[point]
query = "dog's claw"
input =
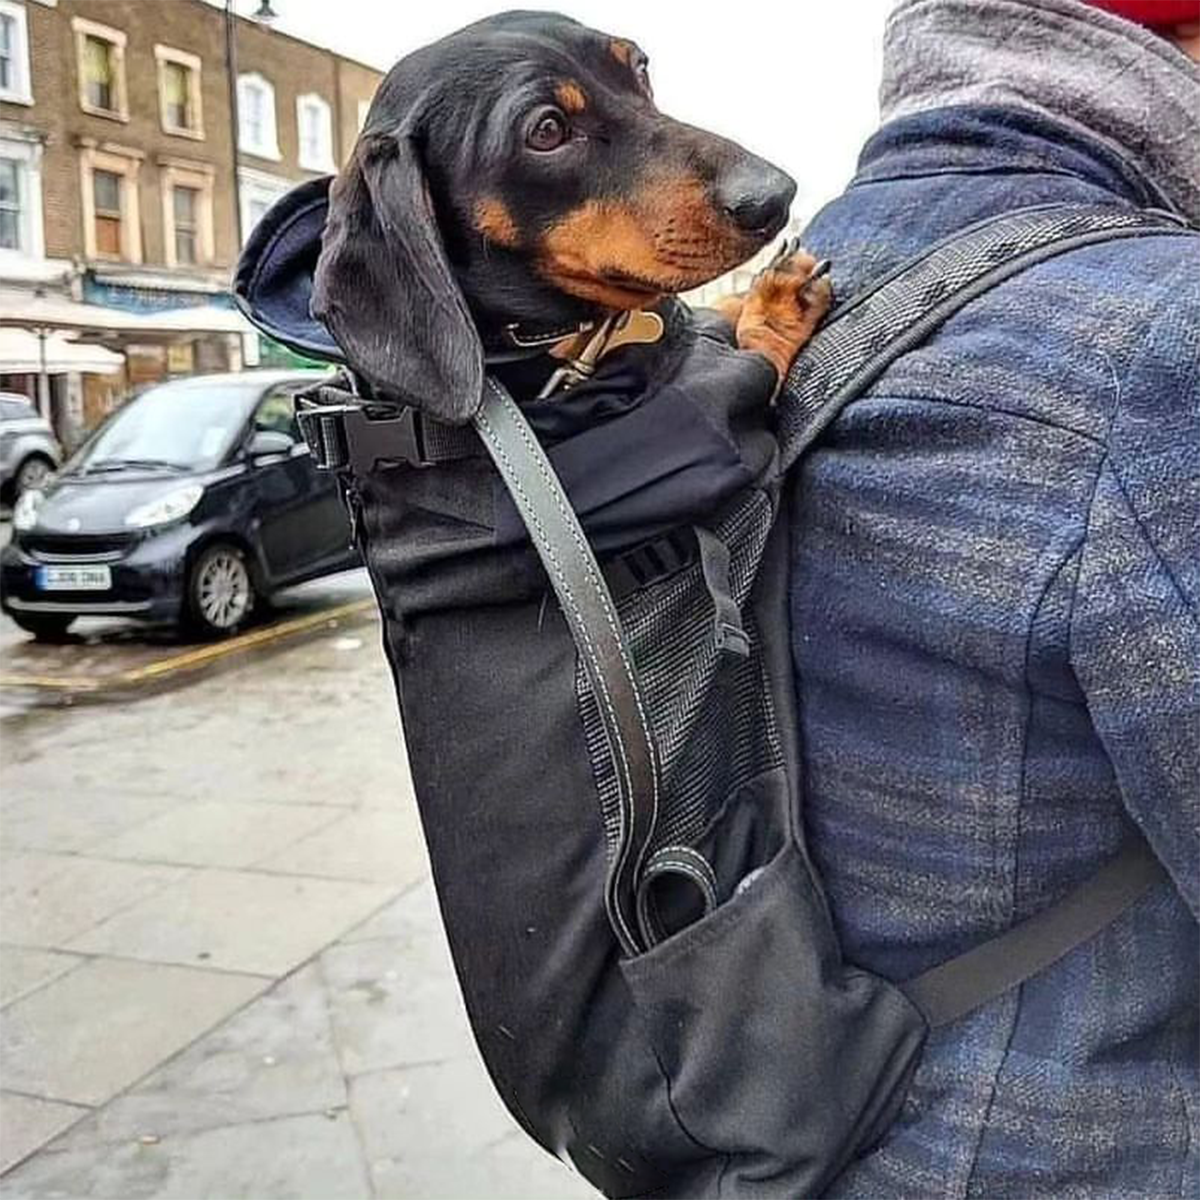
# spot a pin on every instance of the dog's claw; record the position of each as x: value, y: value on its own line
x: 787, y: 248
x: 818, y: 272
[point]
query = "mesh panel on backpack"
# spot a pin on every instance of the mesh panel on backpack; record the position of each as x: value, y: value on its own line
x: 710, y: 712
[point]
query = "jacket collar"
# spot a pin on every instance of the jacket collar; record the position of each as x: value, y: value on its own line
x: 1102, y: 87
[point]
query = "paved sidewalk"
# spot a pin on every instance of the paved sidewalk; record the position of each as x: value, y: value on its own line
x: 222, y: 968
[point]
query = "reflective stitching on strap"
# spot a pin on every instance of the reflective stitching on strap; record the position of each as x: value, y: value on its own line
x: 673, y: 860
x: 688, y: 862
x: 584, y: 639
x: 601, y: 593
x: 489, y: 432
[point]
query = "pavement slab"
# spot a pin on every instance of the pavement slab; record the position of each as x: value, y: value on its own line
x: 394, y: 1001
x: 212, y: 833
x: 301, y: 1156
x: 48, y: 899
x: 94, y: 1031
x: 273, y: 1058
x: 23, y: 969
x: 236, y: 921
x: 384, y: 845
x: 403, y: 1112
x: 26, y: 1122
x: 68, y: 819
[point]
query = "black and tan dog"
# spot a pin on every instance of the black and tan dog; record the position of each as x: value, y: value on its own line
x: 514, y: 183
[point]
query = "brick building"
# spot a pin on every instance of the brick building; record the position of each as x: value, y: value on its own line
x: 120, y: 185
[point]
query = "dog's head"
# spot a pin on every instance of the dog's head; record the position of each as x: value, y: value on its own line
x: 519, y: 171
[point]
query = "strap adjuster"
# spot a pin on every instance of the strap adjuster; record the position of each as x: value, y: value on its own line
x: 358, y: 439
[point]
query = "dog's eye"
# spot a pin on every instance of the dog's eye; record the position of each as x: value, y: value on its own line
x: 549, y: 131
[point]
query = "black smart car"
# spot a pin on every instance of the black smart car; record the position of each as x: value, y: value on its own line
x: 188, y: 504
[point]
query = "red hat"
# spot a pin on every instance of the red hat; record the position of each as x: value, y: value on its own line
x: 1152, y: 12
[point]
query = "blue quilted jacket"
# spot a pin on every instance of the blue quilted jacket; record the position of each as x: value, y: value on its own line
x: 996, y: 625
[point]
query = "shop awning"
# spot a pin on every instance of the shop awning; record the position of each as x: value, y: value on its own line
x: 21, y: 354
x: 57, y: 313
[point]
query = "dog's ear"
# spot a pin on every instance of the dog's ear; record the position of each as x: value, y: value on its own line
x: 383, y: 285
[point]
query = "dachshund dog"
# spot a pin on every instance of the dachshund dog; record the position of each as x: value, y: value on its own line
x: 515, y: 181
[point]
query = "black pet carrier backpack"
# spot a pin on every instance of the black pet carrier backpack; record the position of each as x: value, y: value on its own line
x: 594, y: 674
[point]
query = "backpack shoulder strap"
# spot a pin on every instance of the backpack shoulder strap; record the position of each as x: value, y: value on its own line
x: 953, y: 988
x: 864, y: 336
x: 591, y: 616
x: 855, y: 346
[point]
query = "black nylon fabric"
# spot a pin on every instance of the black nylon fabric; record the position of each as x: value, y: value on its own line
x: 654, y: 1075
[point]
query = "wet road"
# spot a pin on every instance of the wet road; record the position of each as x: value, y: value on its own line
x: 111, y: 658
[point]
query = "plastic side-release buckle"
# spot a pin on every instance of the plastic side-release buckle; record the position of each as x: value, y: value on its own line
x: 357, y: 439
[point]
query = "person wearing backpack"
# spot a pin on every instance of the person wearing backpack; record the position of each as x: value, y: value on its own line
x: 995, y: 599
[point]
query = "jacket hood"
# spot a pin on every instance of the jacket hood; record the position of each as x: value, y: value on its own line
x: 1095, y: 73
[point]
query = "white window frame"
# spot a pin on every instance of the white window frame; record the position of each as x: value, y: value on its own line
x: 22, y: 90
x: 261, y: 186
x: 125, y: 163
x: 85, y: 29
x: 323, y: 159
x: 165, y: 55
x: 27, y: 152
x: 269, y: 147
x: 175, y: 173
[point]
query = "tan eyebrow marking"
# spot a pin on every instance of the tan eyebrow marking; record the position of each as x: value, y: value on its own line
x: 622, y: 51
x: 495, y: 222
x: 570, y: 96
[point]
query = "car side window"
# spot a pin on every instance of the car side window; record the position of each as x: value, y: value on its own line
x: 15, y: 410
x: 277, y: 412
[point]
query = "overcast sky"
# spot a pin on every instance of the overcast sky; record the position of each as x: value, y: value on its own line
x: 794, y: 82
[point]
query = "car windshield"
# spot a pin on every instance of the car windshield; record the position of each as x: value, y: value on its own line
x: 186, y: 425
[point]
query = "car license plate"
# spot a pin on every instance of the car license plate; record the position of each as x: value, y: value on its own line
x: 74, y: 579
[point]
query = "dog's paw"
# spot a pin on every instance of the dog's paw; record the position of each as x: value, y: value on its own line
x: 784, y: 306
x: 730, y: 307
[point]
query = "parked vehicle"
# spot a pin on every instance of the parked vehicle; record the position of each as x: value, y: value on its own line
x: 29, y: 451
x: 193, y: 503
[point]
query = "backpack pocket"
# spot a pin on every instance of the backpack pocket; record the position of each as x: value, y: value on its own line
x: 780, y: 1062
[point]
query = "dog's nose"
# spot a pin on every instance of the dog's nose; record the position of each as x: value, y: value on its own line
x: 757, y: 197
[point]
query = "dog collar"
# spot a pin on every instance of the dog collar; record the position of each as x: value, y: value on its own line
x: 581, y: 345
x: 582, y: 351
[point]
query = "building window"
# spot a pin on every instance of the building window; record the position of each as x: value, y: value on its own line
x: 258, y: 191
x: 364, y: 107
x: 179, y: 91
x: 101, y: 55
x: 111, y: 215
x: 187, y: 212
x: 14, y: 54
x: 11, y: 221
x: 106, y: 199
x: 314, y: 120
x: 186, y: 202
x: 21, y: 196
x: 256, y: 117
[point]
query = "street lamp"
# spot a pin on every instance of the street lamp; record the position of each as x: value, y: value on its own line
x: 265, y: 12
x: 231, y: 81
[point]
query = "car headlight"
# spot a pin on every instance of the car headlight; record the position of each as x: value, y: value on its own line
x: 163, y: 509
x: 26, y: 509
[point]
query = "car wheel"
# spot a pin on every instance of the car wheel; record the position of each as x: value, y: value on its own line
x: 33, y: 473
x: 46, y: 627
x: 220, y: 590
